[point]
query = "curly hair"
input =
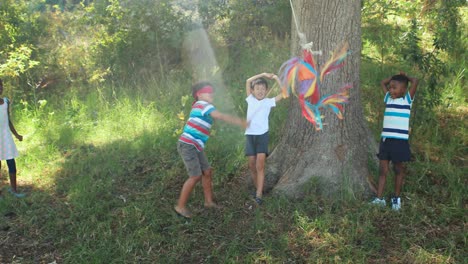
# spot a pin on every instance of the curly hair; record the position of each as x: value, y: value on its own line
x: 400, y: 78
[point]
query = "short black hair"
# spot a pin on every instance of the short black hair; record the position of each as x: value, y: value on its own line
x: 400, y: 78
x: 198, y: 86
x: 257, y: 81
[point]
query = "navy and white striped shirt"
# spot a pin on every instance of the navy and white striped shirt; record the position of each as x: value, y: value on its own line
x: 396, y: 117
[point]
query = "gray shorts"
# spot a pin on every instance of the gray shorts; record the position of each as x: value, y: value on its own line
x: 195, y: 161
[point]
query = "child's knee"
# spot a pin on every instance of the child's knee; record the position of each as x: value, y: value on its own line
x: 194, y: 179
x: 260, y: 167
x: 208, y: 172
x: 398, y: 168
x: 383, y: 171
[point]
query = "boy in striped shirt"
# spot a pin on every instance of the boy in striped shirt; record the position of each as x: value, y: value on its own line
x: 394, y: 144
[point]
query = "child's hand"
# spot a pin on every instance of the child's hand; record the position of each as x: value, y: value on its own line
x: 19, y: 137
x: 245, y: 124
x: 269, y: 75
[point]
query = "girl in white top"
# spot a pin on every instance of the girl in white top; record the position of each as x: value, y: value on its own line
x: 8, y: 149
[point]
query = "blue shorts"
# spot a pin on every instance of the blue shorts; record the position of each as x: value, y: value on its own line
x: 255, y: 144
x: 395, y: 150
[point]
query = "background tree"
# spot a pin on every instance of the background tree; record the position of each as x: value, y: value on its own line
x: 338, y: 156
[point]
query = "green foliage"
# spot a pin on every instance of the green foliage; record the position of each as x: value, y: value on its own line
x: 139, y: 37
x: 384, y: 21
x: 236, y: 19
x: 18, y: 62
x: 430, y: 65
x: 20, y: 23
x: 446, y: 20
x: 20, y: 28
x: 377, y: 33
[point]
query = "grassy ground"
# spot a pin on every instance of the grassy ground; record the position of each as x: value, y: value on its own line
x: 102, y: 175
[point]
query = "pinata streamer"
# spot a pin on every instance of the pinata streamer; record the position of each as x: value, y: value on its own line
x: 301, y: 77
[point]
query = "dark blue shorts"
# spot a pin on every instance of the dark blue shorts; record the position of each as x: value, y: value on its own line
x: 395, y: 150
x: 255, y: 144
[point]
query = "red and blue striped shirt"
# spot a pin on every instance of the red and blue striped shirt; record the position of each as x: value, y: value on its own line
x: 197, y: 129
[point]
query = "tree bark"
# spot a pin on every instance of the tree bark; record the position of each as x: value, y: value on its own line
x: 338, y: 155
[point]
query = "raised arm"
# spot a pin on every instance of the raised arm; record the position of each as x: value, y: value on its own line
x: 251, y: 79
x: 229, y: 118
x: 280, y: 95
x: 414, y: 85
x: 384, y: 84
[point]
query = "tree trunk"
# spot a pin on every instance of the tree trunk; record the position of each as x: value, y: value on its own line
x: 339, y: 154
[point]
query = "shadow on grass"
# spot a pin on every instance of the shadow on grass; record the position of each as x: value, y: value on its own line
x: 103, y: 199
x: 22, y: 228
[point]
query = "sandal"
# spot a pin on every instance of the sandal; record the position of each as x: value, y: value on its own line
x: 17, y: 195
x: 258, y: 200
x: 183, y: 213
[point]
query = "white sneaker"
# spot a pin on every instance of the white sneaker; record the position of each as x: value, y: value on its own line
x: 378, y: 201
x: 396, y: 203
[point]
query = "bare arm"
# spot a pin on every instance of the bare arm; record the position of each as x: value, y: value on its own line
x: 280, y: 96
x: 229, y: 119
x: 12, y: 127
x: 251, y: 79
x: 384, y: 83
x: 414, y: 85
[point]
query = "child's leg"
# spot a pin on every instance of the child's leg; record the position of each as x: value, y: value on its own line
x: 399, y: 170
x: 12, y: 172
x: 186, y: 191
x: 260, y: 169
x: 383, y: 171
x: 253, y: 169
x: 207, y: 187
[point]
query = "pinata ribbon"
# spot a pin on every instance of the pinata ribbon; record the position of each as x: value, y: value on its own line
x: 302, y: 78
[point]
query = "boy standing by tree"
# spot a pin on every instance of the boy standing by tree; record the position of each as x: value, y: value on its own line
x: 394, y: 144
x: 258, y: 110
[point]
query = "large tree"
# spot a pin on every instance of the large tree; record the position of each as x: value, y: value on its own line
x: 339, y: 154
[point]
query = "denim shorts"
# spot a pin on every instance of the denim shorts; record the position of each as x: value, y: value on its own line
x: 195, y: 161
x: 255, y: 144
x: 395, y: 150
